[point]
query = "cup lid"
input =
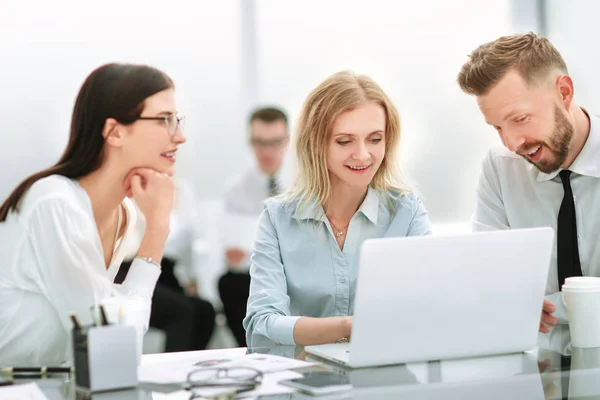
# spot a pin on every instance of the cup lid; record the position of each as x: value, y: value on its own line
x: 582, y: 283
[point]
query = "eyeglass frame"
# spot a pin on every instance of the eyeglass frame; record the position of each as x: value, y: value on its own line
x: 241, y: 385
x: 179, y: 125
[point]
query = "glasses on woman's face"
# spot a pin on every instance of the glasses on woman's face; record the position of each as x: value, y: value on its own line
x: 173, y: 122
x: 223, y: 383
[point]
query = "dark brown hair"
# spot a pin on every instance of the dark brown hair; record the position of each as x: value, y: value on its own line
x: 111, y: 91
x: 269, y: 114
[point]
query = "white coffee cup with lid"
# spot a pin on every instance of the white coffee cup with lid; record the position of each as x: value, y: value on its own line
x: 582, y: 297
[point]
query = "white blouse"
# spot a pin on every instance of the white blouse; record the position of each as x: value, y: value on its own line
x: 53, y: 265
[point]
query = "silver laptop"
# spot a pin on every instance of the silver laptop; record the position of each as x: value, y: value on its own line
x: 443, y: 297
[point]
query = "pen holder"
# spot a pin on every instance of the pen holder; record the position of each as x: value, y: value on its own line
x: 105, y: 357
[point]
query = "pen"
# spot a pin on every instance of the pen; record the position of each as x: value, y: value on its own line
x: 38, y: 370
x: 76, y: 323
x: 103, y: 318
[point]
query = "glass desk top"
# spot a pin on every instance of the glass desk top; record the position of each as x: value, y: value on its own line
x: 554, y: 370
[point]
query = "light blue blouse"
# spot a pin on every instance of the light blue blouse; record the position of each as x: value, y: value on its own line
x: 297, y: 268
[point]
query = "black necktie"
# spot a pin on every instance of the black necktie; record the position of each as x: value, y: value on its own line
x: 273, y: 186
x: 566, y: 239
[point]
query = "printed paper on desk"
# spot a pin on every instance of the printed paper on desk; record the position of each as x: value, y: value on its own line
x: 173, y: 371
x: 191, y: 357
x: 237, y: 230
x: 269, y: 386
x: 266, y: 363
x: 29, y: 391
x: 177, y: 366
x: 177, y: 372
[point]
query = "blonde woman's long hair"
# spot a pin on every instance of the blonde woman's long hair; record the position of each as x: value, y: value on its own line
x: 339, y: 93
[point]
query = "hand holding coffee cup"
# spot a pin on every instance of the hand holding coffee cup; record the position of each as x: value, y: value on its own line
x: 548, y: 319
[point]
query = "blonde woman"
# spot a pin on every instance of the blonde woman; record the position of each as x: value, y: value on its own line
x: 303, y: 267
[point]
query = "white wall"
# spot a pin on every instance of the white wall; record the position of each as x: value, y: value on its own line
x: 572, y: 26
x: 48, y: 47
x: 414, y: 50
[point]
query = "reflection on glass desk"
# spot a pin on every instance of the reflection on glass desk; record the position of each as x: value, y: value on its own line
x: 554, y: 370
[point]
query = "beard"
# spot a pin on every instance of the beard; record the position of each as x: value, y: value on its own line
x: 558, y: 144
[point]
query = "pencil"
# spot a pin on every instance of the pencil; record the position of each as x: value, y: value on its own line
x: 103, y: 318
x: 38, y: 370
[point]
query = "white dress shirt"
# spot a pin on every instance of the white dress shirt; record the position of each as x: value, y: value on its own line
x: 246, y: 194
x: 53, y: 265
x: 512, y: 193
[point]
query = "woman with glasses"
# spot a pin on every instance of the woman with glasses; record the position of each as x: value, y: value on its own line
x: 65, y: 230
x: 304, y: 263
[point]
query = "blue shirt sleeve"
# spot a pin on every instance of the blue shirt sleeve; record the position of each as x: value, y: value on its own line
x: 420, y: 224
x: 268, y: 310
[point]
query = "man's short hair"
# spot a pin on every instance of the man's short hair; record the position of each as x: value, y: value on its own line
x: 532, y: 56
x: 269, y: 114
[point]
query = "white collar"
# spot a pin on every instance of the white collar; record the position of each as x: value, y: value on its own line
x: 314, y: 210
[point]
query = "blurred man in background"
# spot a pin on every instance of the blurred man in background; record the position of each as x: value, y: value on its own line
x: 244, y: 197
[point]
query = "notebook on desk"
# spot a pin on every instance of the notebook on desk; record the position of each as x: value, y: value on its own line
x: 443, y: 297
